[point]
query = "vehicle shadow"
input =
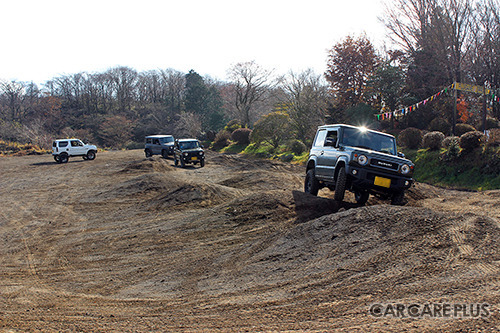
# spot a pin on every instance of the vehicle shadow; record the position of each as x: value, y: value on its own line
x: 55, y: 163
x: 309, y: 207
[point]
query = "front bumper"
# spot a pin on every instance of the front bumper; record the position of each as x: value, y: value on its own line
x: 364, y: 178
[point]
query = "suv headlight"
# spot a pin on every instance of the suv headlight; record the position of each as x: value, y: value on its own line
x: 362, y: 160
x: 201, y: 153
x: 405, y: 169
x: 185, y: 154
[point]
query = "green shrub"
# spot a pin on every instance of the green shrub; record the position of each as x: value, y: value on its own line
x: 471, y: 140
x: 491, y: 123
x: 241, y: 135
x: 440, y: 124
x: 433, y: 140
x: 461, y: 129
x: 233, y: 125
x: 297, y: 147
x: 450, y: 140
x: 221, y: 140
x: 410, y: 138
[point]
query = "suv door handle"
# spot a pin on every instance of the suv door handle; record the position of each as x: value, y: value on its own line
x: 322, y: 152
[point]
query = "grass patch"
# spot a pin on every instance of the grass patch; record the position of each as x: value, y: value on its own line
x: 471, y: 171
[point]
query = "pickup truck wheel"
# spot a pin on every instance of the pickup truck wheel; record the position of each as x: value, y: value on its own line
x: 311, y: 184
x: 361, y: 197
x: 398, y: 198
x: 91, y: 155
x: 148, y: 153
x: 164, y: 153
x: 57, y: 159
x: 63, y: 158
x: 340, y: 185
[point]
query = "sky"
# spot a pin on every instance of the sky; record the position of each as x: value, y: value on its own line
x: 44, y: 39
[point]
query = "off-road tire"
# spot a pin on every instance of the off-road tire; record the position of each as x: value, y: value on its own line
x: 91, y: 155
x: 164, y: 153
x: 361, y: 197
x: 202, y: 163
x: 63, y: 158
x: 148, y: 153
x: 183, y: 164
x: 311, y: 184
x: 57, y: 159
x: 398, y: 198
x: 340, y: 185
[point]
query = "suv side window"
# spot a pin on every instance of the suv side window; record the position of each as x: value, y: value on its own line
x: 331, y: 138
x: 320, y: 138
x: 148, y: 140
x: 63, y: 143
x: 156, y: 142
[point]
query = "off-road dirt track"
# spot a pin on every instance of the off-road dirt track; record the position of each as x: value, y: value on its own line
x: 129, y: 244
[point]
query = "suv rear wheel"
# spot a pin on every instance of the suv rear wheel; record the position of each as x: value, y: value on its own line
x: 311, y: 184
x: 148, y: 153
x: 164, y: 153
x: 63, y: 158
x: 361, y: 196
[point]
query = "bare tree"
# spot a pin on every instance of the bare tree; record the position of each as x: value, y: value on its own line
x: 306, y: 101
x: 251, y: 83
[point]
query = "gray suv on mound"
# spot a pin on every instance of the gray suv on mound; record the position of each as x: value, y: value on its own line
x: 360, y: 160
x: 159, y: 145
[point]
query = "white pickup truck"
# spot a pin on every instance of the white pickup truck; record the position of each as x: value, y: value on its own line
x: 63, y: 149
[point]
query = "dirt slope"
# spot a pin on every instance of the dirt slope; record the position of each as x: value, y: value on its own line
x: 129, y: 244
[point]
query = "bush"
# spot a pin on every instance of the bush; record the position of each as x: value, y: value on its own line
x: 433, y: 140
x: 461, y: 129
x: 471, y: 140
x: 491, y: 123
x: 241, y: 136
x: 410, y: 138
x: 221, y: 139
x: 297, y: 147
x: 233, y: 125
x: 440, y: 124
x: 494, y: 137
x: 450, y: 140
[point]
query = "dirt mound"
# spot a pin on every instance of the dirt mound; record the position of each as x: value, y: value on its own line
x: 368, y: 250
x: 193, y: 195
x: 263, y: 181
x: 152, y: 164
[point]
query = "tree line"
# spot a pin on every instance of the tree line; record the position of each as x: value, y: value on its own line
x: 434, y: 43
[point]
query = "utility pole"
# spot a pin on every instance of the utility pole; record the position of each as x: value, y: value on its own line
x: 454, y: 121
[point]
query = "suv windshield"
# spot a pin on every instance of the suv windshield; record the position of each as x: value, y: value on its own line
x: 189, y: 145
x: 354, y: 137
x: 167, y: 139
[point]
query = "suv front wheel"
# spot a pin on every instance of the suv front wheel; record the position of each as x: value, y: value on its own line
x: 340, y: 185
x: 91, y: 155
x: 311, y: 184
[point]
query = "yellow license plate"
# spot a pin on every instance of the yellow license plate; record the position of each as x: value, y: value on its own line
x: 194, y: 158
x: 381, y: 181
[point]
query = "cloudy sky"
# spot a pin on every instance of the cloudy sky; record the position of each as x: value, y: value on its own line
x: 42, y: 39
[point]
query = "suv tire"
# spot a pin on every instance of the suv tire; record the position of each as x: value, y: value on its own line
x: 361, y: 197
x: 57, y: 159
x: 91, y: 155
x: 164, y: 153
x: 182, y: 163
x: 202, y: 163
x: 340, y: 185
x: 63, y: 158
x: 311, y: 184
x: 148, y: 153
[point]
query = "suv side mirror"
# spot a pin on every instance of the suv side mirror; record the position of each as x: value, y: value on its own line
x: 400, y: 154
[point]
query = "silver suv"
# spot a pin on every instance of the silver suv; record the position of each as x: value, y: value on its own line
x: 63, y: 149
x: 360, y: 160
x: 159, y: 145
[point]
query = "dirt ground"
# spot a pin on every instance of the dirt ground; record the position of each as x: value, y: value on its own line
x: 129, y: 244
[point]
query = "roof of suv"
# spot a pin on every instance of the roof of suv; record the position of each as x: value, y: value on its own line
x: 159, y: 136
x: 356, y: 127
x: 185, y: 140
